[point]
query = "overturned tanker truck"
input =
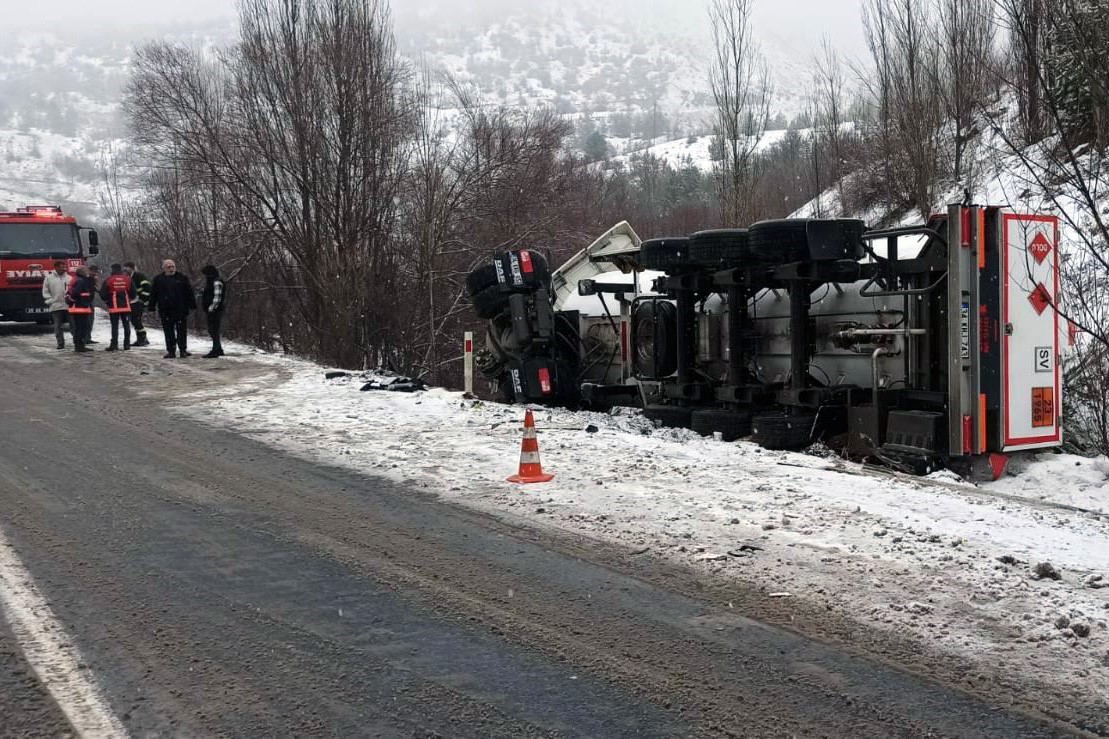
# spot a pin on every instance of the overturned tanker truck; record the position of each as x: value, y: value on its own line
x: 928, y: 346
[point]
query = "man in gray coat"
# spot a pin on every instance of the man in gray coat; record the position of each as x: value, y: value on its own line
x: 54, y: 287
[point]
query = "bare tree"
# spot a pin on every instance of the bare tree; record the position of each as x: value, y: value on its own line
x: 903, y: 85
x: 828, y: 84
x: 966, y: 36
x: 303, y: 126
x: 740, y: 82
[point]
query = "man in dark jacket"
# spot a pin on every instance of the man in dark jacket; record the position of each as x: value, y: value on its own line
x: 212, y: 301
x: 172, y: 296
x: 138, y: 305
x: 79, y: 299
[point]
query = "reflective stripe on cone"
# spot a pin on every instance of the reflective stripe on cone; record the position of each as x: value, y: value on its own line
x: 531, y: 470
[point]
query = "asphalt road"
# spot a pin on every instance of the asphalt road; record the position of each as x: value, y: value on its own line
x: 215, y: 586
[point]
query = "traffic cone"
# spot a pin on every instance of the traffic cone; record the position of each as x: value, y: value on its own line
x: 530, y: 468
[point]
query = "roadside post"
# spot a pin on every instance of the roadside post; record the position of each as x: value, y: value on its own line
x: 468, y: 360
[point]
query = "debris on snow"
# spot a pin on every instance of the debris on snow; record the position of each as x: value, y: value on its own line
x: 1046, y: 570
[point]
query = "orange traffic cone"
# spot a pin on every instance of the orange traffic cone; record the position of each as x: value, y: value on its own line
x: 530, y: 468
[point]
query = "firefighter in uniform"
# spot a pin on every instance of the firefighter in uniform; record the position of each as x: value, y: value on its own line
x: 138, y: 304
x: 118, y: 293
x: 79, y: 299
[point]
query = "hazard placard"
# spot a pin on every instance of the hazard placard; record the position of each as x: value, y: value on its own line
x: 1040, y: 298
x: 1043, y: 407
x: 1039, y: 248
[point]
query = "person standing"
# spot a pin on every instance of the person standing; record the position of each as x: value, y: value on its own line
x: 79, y: 299
x: 172, y: 296
x: 54, y: 288
x: 138, y: 304
x: 94, y: 275
x: 117, y: 294
x: 212, y: 301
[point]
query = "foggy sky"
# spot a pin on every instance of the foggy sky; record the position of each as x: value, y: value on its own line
x: 802, y: 22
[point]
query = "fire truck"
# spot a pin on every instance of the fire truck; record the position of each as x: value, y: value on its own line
x: 32, y: 238
x: 925, y: 346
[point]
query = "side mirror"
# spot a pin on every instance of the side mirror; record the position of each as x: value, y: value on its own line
x: 94, y: 240
x: 93, y: 250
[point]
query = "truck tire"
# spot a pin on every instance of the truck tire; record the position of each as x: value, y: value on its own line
x: 788, y: 240
x: 786, y: 431
x: 730, y: 424
x: 670, y: 416
x: 719, y: 249
x: 490, y: 301
x: 780, y: 241
x: 481, y: 279
x: 664, y: 254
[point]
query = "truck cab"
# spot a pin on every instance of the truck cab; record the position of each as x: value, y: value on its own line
x: 32, y: 238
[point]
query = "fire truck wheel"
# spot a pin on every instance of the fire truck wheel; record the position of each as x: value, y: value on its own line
x: 670, y: 416
x: 719, y: 249
x: 783, y: 430
x: 481, y: 279
x: 664, y: 254
x: 489, y: 302
x: 730, y: 424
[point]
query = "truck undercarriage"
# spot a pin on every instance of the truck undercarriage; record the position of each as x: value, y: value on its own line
x: 926, y: 346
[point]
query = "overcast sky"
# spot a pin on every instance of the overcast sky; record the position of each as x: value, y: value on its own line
x: 802, y: 21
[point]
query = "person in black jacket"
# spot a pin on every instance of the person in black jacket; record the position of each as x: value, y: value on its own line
x: 212, y: 302
x: 138, y: 306
x: 172, y: 296
x: 79, y: 298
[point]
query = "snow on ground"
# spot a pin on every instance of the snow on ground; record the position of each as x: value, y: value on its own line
x: 942, y: 561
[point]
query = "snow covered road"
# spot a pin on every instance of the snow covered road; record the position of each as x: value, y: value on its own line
x: 943, y: 563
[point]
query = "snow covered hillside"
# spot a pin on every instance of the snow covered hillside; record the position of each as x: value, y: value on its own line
x: 643, y: 72
x: 1012, y: 576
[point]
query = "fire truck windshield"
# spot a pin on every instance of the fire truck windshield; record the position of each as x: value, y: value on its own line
x: 39, y: 240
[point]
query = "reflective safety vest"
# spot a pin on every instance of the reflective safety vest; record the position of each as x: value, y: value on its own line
x: 117, y: 289
x: 78, y: 309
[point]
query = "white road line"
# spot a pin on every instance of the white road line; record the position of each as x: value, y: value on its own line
x: 50, y: 651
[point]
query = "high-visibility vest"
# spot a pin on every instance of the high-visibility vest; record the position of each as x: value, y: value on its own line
x: 77, y: 309
x: 118, y: 287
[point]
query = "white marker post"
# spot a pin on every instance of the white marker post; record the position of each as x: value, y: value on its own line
x: 468, y: 358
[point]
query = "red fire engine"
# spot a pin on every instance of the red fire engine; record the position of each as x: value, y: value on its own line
x: 31, y: 239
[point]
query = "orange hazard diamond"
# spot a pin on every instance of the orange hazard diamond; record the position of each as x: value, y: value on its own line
x: 1040, y: 248
x: 1040, y: 299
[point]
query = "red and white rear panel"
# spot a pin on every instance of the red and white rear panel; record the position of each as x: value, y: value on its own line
x: 1031, y: 352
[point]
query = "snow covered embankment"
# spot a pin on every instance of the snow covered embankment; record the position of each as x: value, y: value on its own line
x: 939, y: 560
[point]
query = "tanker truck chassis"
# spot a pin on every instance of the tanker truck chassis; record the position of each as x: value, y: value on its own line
x: 921, y: 347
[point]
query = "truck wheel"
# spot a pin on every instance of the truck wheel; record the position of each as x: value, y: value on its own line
x: 670, y: 416
x: 783, y: 430
x: 490, y: 301
x: 778, y: 242
x: 664, y: 254
x: 730, y: 424
x: 805, y: 239
x: 481, y: 279
x: 719, y: 249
